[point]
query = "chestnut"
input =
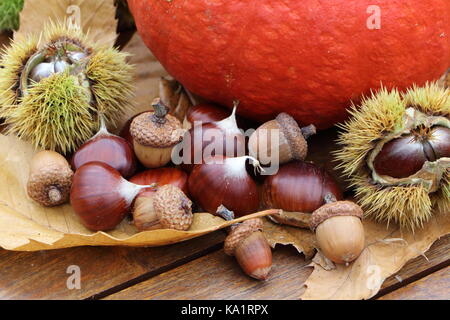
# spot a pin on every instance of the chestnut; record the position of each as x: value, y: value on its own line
x: 298, y: 188
x: 225, y: 181
x: 204, y: 113
x: 100, y: 196
x: 108, y: 148
x: 210, y: 139
x: 406, y: 155
x: 161, y: 176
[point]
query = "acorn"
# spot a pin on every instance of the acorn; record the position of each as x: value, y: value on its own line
x: 50, y: 179
x: 167, y: 208
x: 155, y: 134
x: 54, y: 85
x: 247, y: 243
x: 339, y: 231
x: 396, y: 153
x: 280, y: 138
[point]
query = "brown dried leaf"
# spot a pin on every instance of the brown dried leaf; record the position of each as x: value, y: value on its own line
x: 97, y: 17
x: 387, y: 250
x: 301, y: 239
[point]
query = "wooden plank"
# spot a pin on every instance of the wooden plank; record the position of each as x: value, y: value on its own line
x: 436, y: 286
x: 43, y: 274
x: 438, y: 257
x: 217, y: 276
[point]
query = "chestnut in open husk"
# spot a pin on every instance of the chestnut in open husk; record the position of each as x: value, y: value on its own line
x: 396, y: 153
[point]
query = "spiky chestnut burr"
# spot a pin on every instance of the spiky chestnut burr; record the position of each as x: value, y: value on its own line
x: 247, y: 243
x: 290, y: 143
x: 50, y: 179
x: 55, y: 83
x: 167, y: 208
x: 395, y: 151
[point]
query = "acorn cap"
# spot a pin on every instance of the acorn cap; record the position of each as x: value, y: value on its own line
x: 50, y: 177
x: 148, y: 132
x: 294, y: 135
x: 339, y: 208
x: 173, y: 207
x: 241, y: 232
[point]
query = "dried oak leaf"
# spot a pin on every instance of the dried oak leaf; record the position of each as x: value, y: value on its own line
x: 301, y: 239
x: 387, y: 251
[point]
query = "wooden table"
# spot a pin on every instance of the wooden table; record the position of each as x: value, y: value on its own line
x: 196, y: 269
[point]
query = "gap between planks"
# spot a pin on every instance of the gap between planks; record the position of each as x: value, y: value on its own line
x: 284, y: 260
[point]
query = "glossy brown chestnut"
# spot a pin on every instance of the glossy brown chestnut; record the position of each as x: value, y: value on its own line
x: 224, y: 181
x: 108, y: 148
x: 406, y: 155
x: 100, y: 196
x: 211, y: 139
x: 161, y: 177
x: 204, y: 113
x: 298, y: 187
x: 125, y: 132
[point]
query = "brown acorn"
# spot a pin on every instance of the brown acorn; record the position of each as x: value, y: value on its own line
x: 167, y: 208
x: 155, y: 134
x: 339, y: 231
x: 291, y: 143
x: 247, y: 243
x: 50, y: 179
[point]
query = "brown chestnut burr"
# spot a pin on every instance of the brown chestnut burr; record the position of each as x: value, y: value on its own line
x: 213, y: 138
x: 247, y: 243
x: 225, y: 181
x: 167, y: 208
x: 161, y: 176
x: 155, y: 134
x: 204, y: 113
x: 108, y: 148
x: 100, y: 196
x: 406, y: 155
x: 339, y: 231
x: 281, y: 136
x: 298, y: 188
x: 50, y: 179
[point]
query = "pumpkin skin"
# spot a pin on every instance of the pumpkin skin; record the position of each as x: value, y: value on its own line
x: 301, y: 57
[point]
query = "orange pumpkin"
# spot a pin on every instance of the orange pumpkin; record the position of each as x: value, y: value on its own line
x: 309, y: 58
